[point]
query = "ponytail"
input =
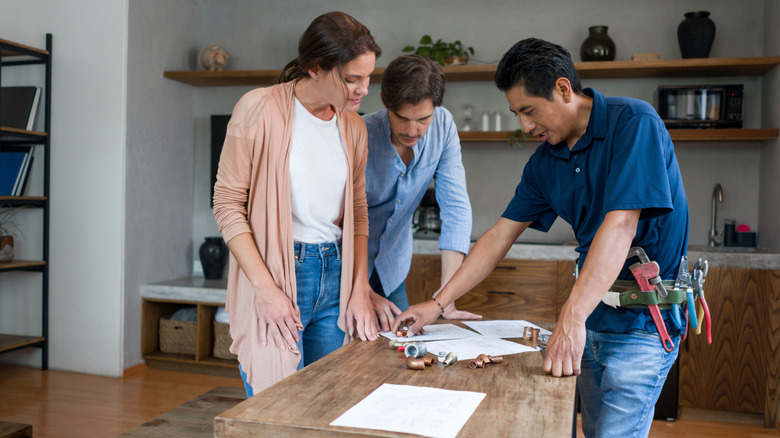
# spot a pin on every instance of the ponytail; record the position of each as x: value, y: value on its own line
x: 290, y: 71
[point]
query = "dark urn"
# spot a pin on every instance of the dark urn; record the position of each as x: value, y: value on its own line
x: 598, y: 46
x: 213, y: 256
x: 696, y: 34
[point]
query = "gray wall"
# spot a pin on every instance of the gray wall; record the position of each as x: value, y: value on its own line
x: 263, y: 35
x: 769, y: 207
x: 160, y: 160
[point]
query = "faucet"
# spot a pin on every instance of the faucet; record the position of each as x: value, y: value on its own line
x: 717, y: 196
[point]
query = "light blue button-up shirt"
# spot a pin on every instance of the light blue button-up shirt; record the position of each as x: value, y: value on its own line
x: 394, y: 190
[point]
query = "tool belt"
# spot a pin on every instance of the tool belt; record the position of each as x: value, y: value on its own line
x: 626, y: 293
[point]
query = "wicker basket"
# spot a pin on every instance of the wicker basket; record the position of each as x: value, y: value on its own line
x: 178, y: 336
x: 222, y: 341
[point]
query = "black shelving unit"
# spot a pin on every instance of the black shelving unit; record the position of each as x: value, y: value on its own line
x: 13, y: 54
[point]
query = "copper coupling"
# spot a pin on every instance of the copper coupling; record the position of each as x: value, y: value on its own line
x: 418, y: 363
x: 484, y: 359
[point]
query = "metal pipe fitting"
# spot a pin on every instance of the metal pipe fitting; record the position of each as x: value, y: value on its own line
x: 496, y: 359
x: 534, y: 336
x: 428, y: 361
x: 415, y: 363
x: 398, y: 344
x: 476, y: 363
x: 527, y: 332
x: 401, y: 333
x: 450, y: 359
x: 415, y: 349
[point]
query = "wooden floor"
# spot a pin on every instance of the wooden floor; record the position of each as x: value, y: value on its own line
x: 64, y: 405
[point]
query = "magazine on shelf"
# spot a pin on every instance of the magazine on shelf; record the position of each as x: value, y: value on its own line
x: 18, y: 107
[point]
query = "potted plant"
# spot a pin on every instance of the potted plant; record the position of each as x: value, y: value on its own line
x: 7, y: 232
x: 442, y: 52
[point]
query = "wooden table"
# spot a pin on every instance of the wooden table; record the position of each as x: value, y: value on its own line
x: 522, y: 400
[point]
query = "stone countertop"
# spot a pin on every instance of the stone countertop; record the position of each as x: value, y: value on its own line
x: 729, y: 257
x: 196, y: 289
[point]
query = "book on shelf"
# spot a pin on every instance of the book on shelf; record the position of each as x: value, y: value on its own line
x: 14, y: 170
x: 18, y: 106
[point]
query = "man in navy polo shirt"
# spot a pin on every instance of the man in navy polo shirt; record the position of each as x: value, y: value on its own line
x: 607, y: 166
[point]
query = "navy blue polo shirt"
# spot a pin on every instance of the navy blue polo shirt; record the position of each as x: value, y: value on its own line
x: 624, y: 161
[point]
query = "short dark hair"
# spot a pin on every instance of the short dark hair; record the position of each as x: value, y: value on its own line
x: 331, y: 40
x: 535, y: 65
x: 410, y: 79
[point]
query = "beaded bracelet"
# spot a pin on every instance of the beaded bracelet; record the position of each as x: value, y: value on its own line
x: 440, y: 306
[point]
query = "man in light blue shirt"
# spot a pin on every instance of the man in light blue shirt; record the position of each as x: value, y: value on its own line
x: 411, y: 142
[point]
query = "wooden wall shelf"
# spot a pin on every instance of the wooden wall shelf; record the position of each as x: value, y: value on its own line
x: 678, y: 135
x: 588, y: 70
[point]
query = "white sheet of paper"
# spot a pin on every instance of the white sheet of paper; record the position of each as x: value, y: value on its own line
x: 431, y: 412
x: 470, y: 348
x: 504, y: 328
x: 435, y: 332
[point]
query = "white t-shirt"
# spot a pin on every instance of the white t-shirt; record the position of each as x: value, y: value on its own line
x: 318, y: 178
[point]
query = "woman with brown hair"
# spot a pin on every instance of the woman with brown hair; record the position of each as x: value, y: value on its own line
x: 290, y: 203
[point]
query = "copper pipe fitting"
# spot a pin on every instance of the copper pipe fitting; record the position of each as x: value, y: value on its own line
x: 428, y: 361
x: 476, y: 363
x: 484, y: 358
x: 527, y: 332
x: 450, y: 359
x: 415, y: 363
x: 496, y: 359
x: 534, y: 336
x: 401, y: 333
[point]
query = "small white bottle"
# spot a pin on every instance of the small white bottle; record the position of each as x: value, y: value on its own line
x: 485, y: 121
x: 497, y: 121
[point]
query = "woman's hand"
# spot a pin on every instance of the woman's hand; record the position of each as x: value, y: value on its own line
x: 277, y: 316
x: 385, y: 310
x: 360, y: 314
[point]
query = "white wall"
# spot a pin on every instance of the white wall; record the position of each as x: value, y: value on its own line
x: 87, y: 178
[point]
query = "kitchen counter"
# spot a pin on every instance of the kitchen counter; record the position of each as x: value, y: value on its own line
x: 729, y: 257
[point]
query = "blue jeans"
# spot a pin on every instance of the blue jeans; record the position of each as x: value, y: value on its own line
x: 622, y: 377
x: 397, y: 297
x: 318, y: 281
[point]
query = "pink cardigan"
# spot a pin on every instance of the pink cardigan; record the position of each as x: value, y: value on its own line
x: 252, y: 195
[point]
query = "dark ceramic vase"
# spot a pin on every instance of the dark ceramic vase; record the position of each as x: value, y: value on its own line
x: 598, y: 46
x: 213, y: 256
x: 696, y: 34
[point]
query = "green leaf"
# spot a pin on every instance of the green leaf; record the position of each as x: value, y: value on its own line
x: 426, y: 39
x: 424, y: 51
x: 408, y: 49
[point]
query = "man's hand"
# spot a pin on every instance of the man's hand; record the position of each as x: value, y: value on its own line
x: 277, y: 315
x: 417, y: 317
x: 360, y: 314
x: 450, y: 312
x: 565, y: 347
x: 385, y: 310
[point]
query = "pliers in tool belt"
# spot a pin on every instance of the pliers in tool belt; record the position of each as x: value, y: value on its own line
x: 704, y: 309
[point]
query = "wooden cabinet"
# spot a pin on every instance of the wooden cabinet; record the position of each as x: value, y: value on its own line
x: 516, y: 289
x: 14, y: 139
x: 740, y: 371
x: 203, y: 360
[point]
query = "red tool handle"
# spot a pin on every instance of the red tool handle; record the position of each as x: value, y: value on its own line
x: 666, y: 341
x: 707, y: 318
